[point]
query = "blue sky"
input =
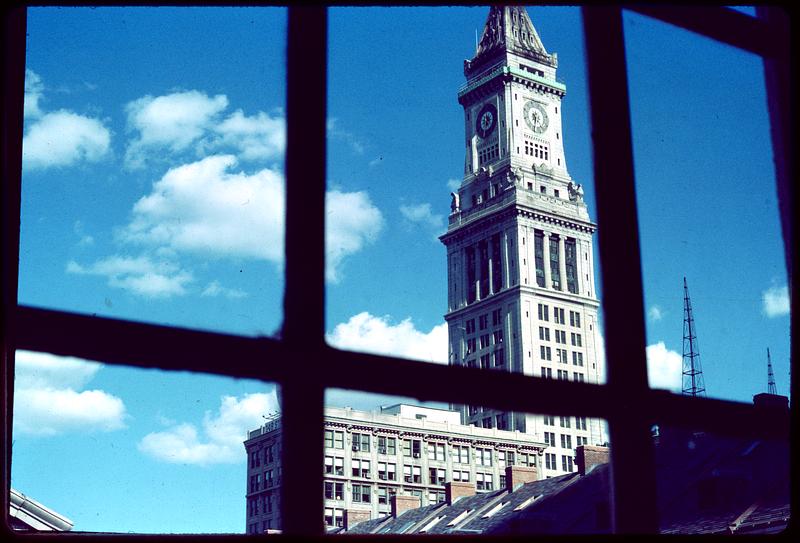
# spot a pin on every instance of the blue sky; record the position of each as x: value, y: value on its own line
x: 153, y: 186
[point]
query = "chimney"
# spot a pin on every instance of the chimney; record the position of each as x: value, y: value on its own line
x: 588, y: 456
x: 355, y: 516
x: 519, y: 475
x: 456, y: 489
x: 401, y: 503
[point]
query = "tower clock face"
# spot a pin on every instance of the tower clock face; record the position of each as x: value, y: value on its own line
x: 535, y: 116
x: 487, y: 120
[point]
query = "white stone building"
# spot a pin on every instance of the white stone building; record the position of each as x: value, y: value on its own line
x: 403, y: 450
x: 521, y: 287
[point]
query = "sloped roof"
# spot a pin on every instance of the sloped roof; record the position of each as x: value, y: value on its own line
x: 509, y: 28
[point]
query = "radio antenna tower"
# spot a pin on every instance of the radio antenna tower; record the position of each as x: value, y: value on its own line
x: 692, y: 374
x: 771, y: 388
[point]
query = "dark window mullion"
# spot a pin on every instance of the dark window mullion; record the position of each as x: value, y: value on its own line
x: 632, y: 455
x: 304, y: 300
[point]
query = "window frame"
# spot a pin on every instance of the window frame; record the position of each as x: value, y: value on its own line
x: 304, y: 365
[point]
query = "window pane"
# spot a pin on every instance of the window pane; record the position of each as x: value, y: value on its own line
x: 708, y: 214
x: 153, y: 165
x: 117, y: 449
x: 440, y: 459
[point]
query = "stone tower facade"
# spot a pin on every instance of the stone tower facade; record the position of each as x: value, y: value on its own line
x: 521, y: 287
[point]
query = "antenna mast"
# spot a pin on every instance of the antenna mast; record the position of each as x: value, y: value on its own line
x: 692, y: 374
x: 771, y: 388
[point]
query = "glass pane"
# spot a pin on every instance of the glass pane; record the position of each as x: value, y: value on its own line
x: 710, y: 231
x: 115, y: 449
x: 394, y: 466
x: 153, y: 165
x: 713, y: 484
x: 390, y: 278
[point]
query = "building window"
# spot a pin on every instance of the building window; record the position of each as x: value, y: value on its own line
x: 577, y: 377
x: 497, y: 316
x: 471, y: 345
x: 564, y: 422
x: 550, y: 439
x: 544, y: 312
x: 334, y: 439
x: 334, y: 465
x: 360, y: 442
x: 580, y: 423
x: 387, y: 445
x: 483, y: 457
x: 485, y: 340
x: 566, y: 441
x: 497, y: 336
x: 334, y: 517
x: 566, y: 463
x: 545, y: 352
x: 436, y: 496
x: 436, y: 451
x: 549, y: 420
x: 412, y: 448
x: 483, y: 321
x: 544, y: 333
x: 550, y: 460
x: 461, y: 475
x: 334, y: 490
x: 575, y: 319
x: 570, y: 259
x: 577, y: 359
x: 470, y: 326
x: 484, y: 481
x: 538, y: 251
x: 555, y: 270
x: 505, y: 458
x: 561, y: 335
x: 360, y: 468
x: 437, y: 476
x: 461, y: 454
x: 576, y: 339
x: 501, y: 421
x: 361, y: 493
x: 547, y: 373
x: 562, y: 356
x: 412, y: 474
x: 558, y: 316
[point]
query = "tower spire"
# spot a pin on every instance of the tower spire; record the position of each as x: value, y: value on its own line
x: 771, y: 388
x: 509, y: 28
x: 692, y: 373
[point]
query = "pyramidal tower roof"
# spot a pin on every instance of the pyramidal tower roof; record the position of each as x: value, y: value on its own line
x: 509, y: 28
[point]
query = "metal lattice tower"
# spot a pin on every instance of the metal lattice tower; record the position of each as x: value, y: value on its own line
x: 771, y: 388
x: 692, y: 373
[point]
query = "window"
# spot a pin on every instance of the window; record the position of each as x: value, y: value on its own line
x: 544, y: 333
x: 461, y: 454
x: 577, y: 358
x: 580, y: 423
x: 576, y: 339
x: 555, y: 271
x: 550, y: 438
x: 334, y: 439
x: 549, y: 420
x: 360, y: 468
x: 436, y: 451
x: 564, y: 422
x: 562, y: 356
x: 37, y: 328
x: 497, y: 337
x: 563, y: 375
x: 436, y: 476
x: 461, y: 475
x: 558, y: 315
x: 483, y: 481
x: 497, y: 314
x: 483, y: 322
x: 566, y: 463
x: 545, y: 353
x: 544, y: 313
x: 383, y: 495
x: 360, y: 442
x: 412, y: 474
x: 505, y: 458
x: 334, y: 490
x: 387, y: 445
x: 561, y: 335
x: 547, y: 373
x: 570, y: 258
x: 412, y: 448
x: 577, y: 377
x: 485, y: 340
x: 483, y: 457
x: 334, y: 465
x: 550, y: 460
x: 498, y: 357
x: 566, y: 441
x: 470, y: 326
x: 575, y: 319
x: 361, y: 493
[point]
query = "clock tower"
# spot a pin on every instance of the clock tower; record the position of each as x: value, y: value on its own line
x: 521, y: 288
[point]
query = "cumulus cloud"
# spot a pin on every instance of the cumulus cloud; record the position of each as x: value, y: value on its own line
x: 174, y: 121
x: 775, y: 301
x: 48, y: 399
x: 453, y: 184
x: 34, y: 88
x: 220, y: 439
x: 423, y: 215
x: 352, y: 221
x: 334, y: 132
x: 203, y: 208
x: 63, y: 138
x: 664, y: 367
x: 140, y: 275
x: 216, y: 289
x: 367, y: 333
x: 257, y: 137
x: 654, y: 313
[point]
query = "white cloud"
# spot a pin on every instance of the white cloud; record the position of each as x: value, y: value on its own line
x: 258, y: 137
x: 664, y: 367
x: 203, y: 208
x: 367, y: 333
x: 453, y: 184
x: 775, y: 301
x: 223, y: 432
x: 173, y: 121
x: 334, y: 132
x: 33, y: 94
x: 654, y: 313
x: 140, y: 275
x: 216, y: 289
x: 63, y: 138
x: 422, y: 214
x: 352, y: 221
x: 48, y: 400
x: 377, y: 161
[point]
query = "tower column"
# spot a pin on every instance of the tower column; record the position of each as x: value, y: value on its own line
x: 546, y: 256
x: 477, y: 263
x: 489, y: 258
x: 562, y: 263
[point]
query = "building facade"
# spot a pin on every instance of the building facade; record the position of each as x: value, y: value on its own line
x: 521, y: 286
x: 371, y: 457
